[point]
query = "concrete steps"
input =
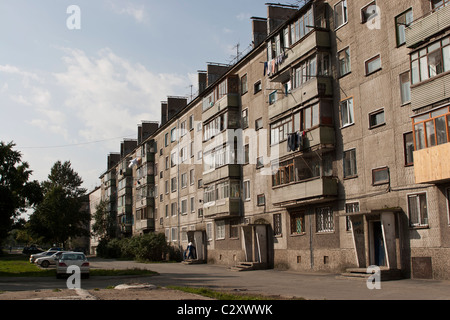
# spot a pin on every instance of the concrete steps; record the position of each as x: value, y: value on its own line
x: 247, y: 266
x: 362, y: 273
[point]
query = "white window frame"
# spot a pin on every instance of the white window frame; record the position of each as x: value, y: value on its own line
x: 344, y: 12
x: 246, y: 190
x: 220, y: 229
x: 348, y: 114
x: 419, y: 224
x: 209, y: 231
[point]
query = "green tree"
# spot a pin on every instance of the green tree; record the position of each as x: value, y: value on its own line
x: 17, y: 194
x: 104, y: 222
x: 60, y: 216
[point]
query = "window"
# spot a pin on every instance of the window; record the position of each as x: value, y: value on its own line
x: 430, y: 61
x: 173, y: 184
x: 401, y: 23
x: 220, y: 229
x: 277, y: 226
x: 373, y: 65
x: 369, y: 12
x: 173, y: 209
x: 298, y: 223
x: 191, y: 122
x: 184, y: 237
x: 344, y: 62
x: 437, y: 4
x: 272, y: 97
x: 173, y: 134
x: 183, y: 128
x: 200, y: 213
x: 166, y: 186
x: 191, y: 149
x: 167, y: 210
x: 167, y: 163
x: 174, y: 234
x: 350, y: 163
x: 259, y: 162
x: 166, y: 139
x: 183, y: 180
x: 307, y: 69
x: 173, y: 159
x: 183, y: 154
x: 209, y: 231
x: 324, y: 220
x: 184, y: 206
x: 405, y: 88
x: 261, y: 200
x: 215, y: 126
x: 432, y: 128
x: 408, y: 144
x: 191, y: 177
x: 200, y: 183
x: 246, y: 154
x: 380, y: 176
x: 280, y: 130
x: 257, y: 87
x: 347, y: 115
x: 244, y: 118
x: 340, y: 14
x: 350, y: 208
x: 234, y: 228
x: 376, y: 119
x: 244, y: 87
x: 246, y: 190
x: 417, y: 209
x: 192, y: 204
x: 258, y: 124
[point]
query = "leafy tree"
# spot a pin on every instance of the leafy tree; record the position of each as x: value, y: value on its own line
x: 105, y: 223
x: 17, y: 194
x: 60, y: 216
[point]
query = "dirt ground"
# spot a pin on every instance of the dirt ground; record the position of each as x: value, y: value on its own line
x: 102, y: 294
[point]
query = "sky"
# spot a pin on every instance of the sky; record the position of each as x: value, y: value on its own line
x: 76, y: 81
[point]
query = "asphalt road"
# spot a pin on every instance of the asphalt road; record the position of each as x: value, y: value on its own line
x: 269, y: 282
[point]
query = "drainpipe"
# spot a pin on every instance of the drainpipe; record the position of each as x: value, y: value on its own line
x: 178, y: 187
x: 311, y: 250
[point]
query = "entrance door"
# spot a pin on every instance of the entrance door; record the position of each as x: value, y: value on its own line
x: 378, y: 244
x: 255, y: 243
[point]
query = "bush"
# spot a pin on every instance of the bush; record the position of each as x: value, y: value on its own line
x: 147, y: 247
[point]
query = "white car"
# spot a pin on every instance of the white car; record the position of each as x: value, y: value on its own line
x: 35, y: 256
x: 68, y: 259
x: 47, y: 261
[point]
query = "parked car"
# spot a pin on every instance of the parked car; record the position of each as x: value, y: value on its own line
x: 35, y: 256
x: 47, y: 261
x: 69, y: 259
x: 32, y: 250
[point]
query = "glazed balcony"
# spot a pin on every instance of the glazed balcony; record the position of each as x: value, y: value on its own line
x: 431, y: 164
x: 229, y: 100
x: 431, y: 91
x: 316, y: 87
x: 426, y: 27
x: 226, y: 171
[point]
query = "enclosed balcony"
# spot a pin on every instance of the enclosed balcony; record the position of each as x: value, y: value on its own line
x: 432, y: 146
x: 426, y: 27
x: 224, y: 95
x: 222, y: 199
x: 145, y: 224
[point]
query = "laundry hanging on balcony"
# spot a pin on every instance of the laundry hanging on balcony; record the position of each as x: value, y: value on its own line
x: 271, y: 66
x: 134, y: 162
x: 295, y: 141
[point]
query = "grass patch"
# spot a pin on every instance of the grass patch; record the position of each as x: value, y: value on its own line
x: 218, y: 295
x: 20, y: 266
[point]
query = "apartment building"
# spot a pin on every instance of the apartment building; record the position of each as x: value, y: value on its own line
x: 322, y: 149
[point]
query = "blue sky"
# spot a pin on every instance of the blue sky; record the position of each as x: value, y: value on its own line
x: 75, y: 94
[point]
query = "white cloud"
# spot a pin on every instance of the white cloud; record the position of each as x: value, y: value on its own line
x: 110, y: 96
x: 137, y: 13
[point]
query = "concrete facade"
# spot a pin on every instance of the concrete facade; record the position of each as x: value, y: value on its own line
x: 299, y: 156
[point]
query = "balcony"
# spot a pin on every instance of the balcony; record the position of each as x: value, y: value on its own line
x: 145, y: 224
x: 316, y: 87
x: 431, y: 91
x: 294, y: 193
x: 145, y: 202
x: 317, y: 138
x: 426, y: 27
x: 317, y: 38
x: 431, y: 164
x: 226, y: 171
x: 124, y: 210
x: 229, y: 100
x: 223, y: 208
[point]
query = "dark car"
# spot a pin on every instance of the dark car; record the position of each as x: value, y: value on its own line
x: 32, y: 250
